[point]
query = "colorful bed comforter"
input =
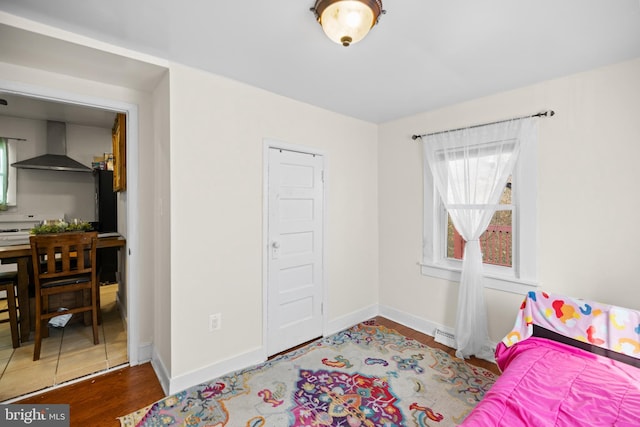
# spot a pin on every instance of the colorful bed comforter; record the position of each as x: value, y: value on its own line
x: 605, y: 326
x: 548, y: 383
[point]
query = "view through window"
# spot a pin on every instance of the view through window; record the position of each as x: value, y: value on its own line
x: 496, y: 241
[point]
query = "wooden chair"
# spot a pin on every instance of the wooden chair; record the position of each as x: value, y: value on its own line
x: 8, y: 283
x: 64, y: 262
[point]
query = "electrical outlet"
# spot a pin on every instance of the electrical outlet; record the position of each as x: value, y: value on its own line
x: 215, y: 321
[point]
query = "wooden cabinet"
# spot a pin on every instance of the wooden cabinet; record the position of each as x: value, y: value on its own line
x: 119, y: 140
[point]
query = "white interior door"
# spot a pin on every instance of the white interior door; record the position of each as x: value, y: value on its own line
x: 295, y: 239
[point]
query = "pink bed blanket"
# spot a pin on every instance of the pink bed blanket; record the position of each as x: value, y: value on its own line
x: 546, y: 383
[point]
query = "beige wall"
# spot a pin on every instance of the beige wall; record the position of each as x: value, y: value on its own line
x: 587, y: 191
x: 160, y: 174
x: 218, y: 128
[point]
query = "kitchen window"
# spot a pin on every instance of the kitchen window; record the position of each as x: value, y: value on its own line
x: 8, y: 174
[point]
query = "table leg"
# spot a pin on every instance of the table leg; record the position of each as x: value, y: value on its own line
x: 23, y: 298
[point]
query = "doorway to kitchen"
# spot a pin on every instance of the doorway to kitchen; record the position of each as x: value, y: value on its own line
x: 120, y: 330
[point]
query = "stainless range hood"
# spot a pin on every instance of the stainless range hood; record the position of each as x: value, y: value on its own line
x: 56, y: 157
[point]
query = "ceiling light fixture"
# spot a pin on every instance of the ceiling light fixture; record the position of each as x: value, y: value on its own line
x: 347, y: 21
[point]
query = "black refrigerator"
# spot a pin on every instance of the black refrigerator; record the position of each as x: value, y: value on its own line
x: 106, y: 222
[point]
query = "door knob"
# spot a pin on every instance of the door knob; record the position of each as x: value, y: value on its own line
x: 275, y: 245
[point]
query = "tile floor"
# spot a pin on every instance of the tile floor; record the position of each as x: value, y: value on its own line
x: 66, y: 354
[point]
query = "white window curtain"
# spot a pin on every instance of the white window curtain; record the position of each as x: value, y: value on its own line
x: 470, y: 168
x: 4, y: 173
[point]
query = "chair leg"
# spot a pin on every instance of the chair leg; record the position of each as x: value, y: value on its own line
x: 94, y: 314
x: 81, y: 299
x: 44, y: 331
x: 96, y: 336
x: 13, y: 317
x: 38, y: 334
x: 98, y: 305
x: 12, y: 310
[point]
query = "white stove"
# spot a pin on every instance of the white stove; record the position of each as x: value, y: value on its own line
x: 14, y: 228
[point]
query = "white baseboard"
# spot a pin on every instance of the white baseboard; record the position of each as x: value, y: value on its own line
x: 256, y: 356
x: 145, y: 352
x: 215, y: 370
x: 347, y: 321
x: 161, y: 372
x: 419, y: 324
x: 181, y: 382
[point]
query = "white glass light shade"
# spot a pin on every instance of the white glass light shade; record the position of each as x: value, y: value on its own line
x: 347, y: 21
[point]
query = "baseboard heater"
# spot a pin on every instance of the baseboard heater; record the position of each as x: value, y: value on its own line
x: 445, y: 338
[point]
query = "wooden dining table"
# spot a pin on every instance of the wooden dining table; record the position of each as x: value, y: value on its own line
x: 21, y: 255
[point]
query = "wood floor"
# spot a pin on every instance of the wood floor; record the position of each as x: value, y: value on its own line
x: 99, y: 401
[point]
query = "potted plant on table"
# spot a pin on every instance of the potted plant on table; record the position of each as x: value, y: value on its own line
x: 60, y: 226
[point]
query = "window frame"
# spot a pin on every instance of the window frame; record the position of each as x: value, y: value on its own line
x: 521, y: 277
x: 12, y: 173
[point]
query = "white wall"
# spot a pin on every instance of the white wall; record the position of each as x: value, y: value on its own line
x: 52, y: 192
x: 588, y: 195
x: 161, y: 229
x: 217, y: 131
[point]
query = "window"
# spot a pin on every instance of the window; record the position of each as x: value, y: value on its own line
x: 8, y: 173
x: 509, y: 244
x: 497, y: 240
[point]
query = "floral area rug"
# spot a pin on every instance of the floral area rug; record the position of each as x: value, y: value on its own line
x: 365, y: 376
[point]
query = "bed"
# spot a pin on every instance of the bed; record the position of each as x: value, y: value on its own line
x: 567, y: 362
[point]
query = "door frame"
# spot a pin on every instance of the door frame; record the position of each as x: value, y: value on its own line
x: 132, y: 271
x: 268, y: 144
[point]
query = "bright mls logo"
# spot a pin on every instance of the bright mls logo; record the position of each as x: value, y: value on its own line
x: 35, y: 415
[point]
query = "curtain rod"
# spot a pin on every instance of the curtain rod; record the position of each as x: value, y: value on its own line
x: 547, y: 113
x: 8, y: 137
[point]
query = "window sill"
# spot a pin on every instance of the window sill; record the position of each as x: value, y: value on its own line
x: 491, y: 281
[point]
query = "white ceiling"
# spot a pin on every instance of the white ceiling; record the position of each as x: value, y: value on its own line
x: 424, y: 54
x: 38, y: 109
